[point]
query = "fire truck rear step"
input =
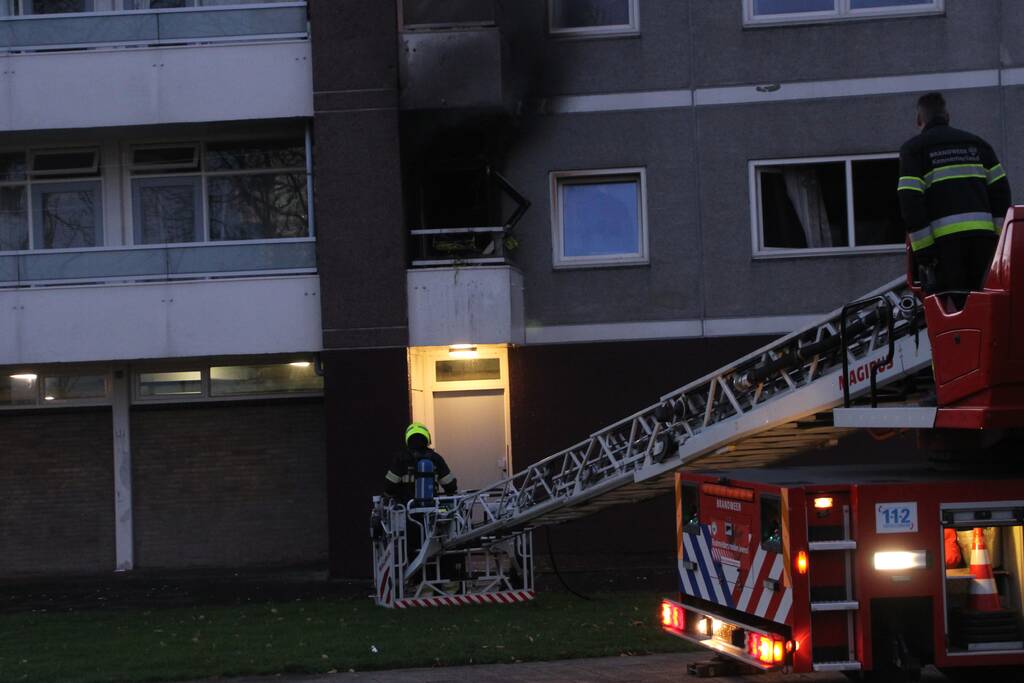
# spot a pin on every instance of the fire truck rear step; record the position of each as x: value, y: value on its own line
x: 837, y: 666
x: 831, y: 545
x: 835, y: 606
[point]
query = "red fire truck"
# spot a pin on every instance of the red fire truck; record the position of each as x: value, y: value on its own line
x: 873, y: 569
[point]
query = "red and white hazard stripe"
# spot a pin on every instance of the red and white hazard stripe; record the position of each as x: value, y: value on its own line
x: 749, y: 591
x: 385, y: 586
x: 501, y: 597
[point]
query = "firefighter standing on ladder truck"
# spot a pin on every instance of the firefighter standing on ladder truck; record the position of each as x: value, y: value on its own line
x: 417, y: 471
x: 953, y: 196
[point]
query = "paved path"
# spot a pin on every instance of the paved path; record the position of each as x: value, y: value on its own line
x: 653, y: 669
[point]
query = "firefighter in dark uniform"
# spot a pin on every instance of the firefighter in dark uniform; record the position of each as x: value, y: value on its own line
x: 953, y: 196
x: 400, y: 480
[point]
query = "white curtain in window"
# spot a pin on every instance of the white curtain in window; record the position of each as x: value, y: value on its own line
x: 804, y: 192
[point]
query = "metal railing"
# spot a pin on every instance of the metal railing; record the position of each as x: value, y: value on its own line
x: 133, y: 28
x: 155, y: 263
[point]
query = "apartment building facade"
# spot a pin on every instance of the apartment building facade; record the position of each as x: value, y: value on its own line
x: 242, y: 244
x: 702, y: 176
x: 160, y: 406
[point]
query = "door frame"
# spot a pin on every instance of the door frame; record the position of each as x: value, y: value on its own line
x: 423, y: 384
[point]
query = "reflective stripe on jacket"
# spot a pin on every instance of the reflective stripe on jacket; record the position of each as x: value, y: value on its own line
x: 950, y: 182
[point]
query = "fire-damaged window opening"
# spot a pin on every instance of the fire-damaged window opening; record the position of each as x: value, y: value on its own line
x: 426, y: 15
x: 459, y: 214
x: 587, y: 18
x: 771, y: 523
x: 826, y: 205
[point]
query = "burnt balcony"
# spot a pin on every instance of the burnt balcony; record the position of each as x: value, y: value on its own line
x: 454, y: 207
x: 453, y: 56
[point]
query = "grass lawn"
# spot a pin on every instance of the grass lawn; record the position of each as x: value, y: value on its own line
x: 317, y: 636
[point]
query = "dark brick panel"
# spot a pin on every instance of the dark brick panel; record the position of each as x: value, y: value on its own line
x: 367, y: 399
x: 56, y: 492
x: 561, y: 393
x: 229, y: 485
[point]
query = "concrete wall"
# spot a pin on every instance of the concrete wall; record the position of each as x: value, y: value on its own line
x: 56, y: 492
x: 157, y: 85
x: 560, y: 394
x: 357, y: 174
x: 662, y: 141
x: 366, y: 400
x: 160, y: 320
x: 728, y: 53
x: 229, y: 485
x: 482, y: 305
x: 697, y: 155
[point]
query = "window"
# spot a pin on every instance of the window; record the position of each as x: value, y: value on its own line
x: 63, y: 189
x: 184, y: 192
x: 159, y: 4
x: 771, y: 523
x: 74, y: 387
x: 285, y: 378
x: 592, y: 17
x: 434, y: 14
x: 55, y: 6
x: 253, y: 190
x: 19, y: 389
x: 472, y: 369
x: 789, y: 11
x: 599, y: 217
x: 298, y: 377
x: 27, y: 389
x: 689, y: 508
x: 826, y: 205
x: 170, y: 384
x: 16, y: 7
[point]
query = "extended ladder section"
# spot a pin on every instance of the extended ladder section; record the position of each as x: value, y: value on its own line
x: 762, y: 408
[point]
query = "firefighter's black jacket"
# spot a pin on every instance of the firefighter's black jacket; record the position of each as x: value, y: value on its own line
x: 950, y: 182
x: 400, y: 480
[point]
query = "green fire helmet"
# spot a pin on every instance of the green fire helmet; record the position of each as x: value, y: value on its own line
x: 417, y: 428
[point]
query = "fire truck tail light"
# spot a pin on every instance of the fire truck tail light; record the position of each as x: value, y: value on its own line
x: 673, y: 617
x: 801, y: 562
x: 768, y: 650
x: 823, y: 503
x: 896, y: 560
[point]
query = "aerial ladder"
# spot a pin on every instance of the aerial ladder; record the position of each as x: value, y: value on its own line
x: 867, y: 364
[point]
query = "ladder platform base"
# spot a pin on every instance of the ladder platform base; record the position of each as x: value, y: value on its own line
x: 719, y: 666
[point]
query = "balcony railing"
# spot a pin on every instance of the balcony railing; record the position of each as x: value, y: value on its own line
x: 157, y: 263
x: 279, y: 21
x: 478, y: 246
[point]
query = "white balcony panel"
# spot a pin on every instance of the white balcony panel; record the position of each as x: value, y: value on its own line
x: 160, y: 320
x: 199, y: 83
x: 479, y: 305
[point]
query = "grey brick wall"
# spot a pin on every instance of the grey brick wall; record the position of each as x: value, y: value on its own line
x: 56, y: 492
x: 229, y: 485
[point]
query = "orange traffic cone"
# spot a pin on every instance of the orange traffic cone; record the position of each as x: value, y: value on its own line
x: 984, y: 596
